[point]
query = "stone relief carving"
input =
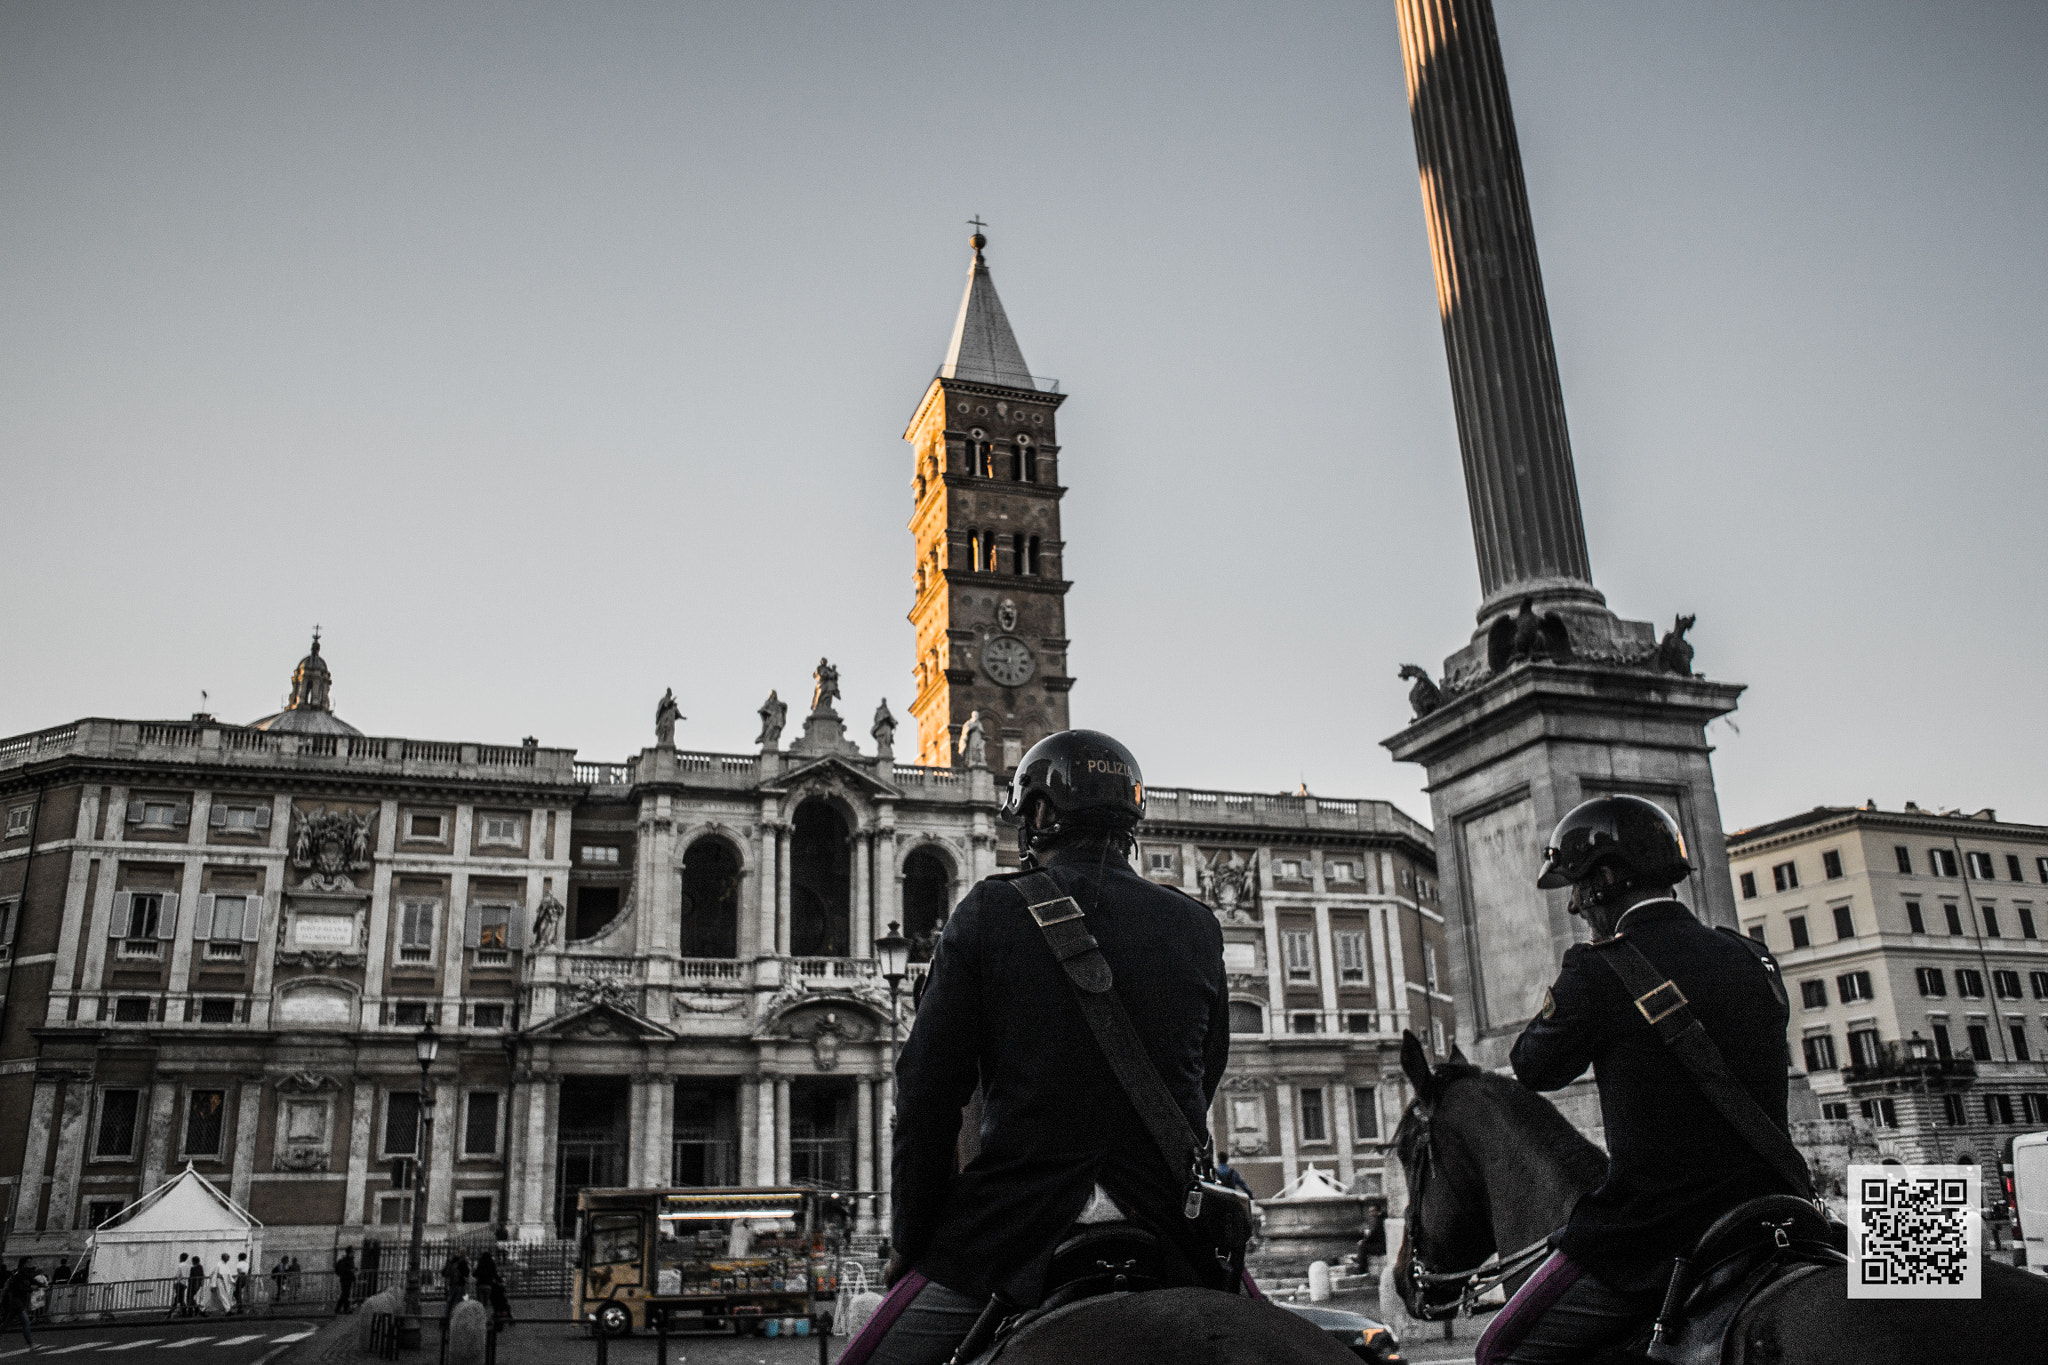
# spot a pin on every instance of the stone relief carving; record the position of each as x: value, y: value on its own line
x: 305, y: 1122
x: 681, y: 1007
x: 603, y: 990
x: 1230, y: 886
x: 327, y: 845
x: 1245, y: 981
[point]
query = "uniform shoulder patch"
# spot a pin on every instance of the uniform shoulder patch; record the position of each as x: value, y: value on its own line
x: 1549, y: 1005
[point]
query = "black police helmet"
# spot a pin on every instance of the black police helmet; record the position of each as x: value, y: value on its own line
x: 1087, y: 777
x: 1626, y: 833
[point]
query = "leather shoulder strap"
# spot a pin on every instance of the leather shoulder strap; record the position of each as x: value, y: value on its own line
x: 1664, y: 1007
x: 1060, y: 919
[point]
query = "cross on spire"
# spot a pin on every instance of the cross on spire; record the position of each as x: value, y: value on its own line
x: 976, y: 223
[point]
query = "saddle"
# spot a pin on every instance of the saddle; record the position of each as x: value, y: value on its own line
x: 1094, y: 1259
x: 1753, y: 1249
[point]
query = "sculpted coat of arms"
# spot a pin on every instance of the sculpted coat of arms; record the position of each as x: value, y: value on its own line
x: 327, y: 845
x: 1230, y: 884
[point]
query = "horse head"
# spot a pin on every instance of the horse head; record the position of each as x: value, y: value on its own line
x: 1448, y: 1225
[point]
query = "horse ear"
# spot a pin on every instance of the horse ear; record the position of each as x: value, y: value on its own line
x: 1458, y: 1055
x: 1415, y: 1062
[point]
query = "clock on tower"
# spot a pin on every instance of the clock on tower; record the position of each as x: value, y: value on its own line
x: 990, y: 605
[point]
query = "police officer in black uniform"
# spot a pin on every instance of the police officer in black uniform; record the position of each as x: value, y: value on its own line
x: 1674, y: 1163
x: 1059, y: 1142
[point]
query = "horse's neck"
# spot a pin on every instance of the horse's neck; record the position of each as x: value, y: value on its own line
x: 1532, y: 1181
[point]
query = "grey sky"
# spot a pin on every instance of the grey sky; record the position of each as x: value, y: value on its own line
x: 551, y: 355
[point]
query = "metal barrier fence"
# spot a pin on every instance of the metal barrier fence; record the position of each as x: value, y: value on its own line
x: 384, y: 1336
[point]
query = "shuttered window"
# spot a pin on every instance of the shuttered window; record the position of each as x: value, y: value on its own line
x: 1300, y: 955
x: 1350, y: 945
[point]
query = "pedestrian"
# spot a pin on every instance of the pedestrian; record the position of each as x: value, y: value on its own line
x: 278, y: 1278
x: 345, y: 1277
x: 62, y: 1274
x: 221, y: 1286
x: 195, y: 1288
x: 177, y: 1308
x: 455, y: 1275
x: 293, y: 1277
x: 490, y: 1286
x: 14, y: 1298
x: 242, y: 1286
x: 1227, y: 1175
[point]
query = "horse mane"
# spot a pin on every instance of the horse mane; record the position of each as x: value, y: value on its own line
x: 1541, y: 1127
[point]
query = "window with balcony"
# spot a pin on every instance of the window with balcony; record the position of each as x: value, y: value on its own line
x: 225, y: 922
x: 1831, y: 865
x: 1980, y: 1042
x: 142, y: 921
x: 1785, y: 876
x: 1813, y: 995
x: 491, y: 934
x: 1299, y: 953
x: 1931, y: 980
x: 1313, y: 1127
x: 1942, y: 1047
x: 1350, y: 945
x: 115, y: 1136
x: 1820, y: 1051
x: 205, y: 1111
x: 1864, y: 1048
x: 1800, y: 939
x: 1914, y: 920
x: 416, y: 930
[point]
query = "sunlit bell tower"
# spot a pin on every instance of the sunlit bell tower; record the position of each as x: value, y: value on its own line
x: 989, y: 601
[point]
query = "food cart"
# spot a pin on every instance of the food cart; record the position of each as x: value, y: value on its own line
x: 702, y: 1260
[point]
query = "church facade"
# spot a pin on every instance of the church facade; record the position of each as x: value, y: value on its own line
x: 219, y: 941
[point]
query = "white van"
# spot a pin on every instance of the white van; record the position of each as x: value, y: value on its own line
x: 2030, y: 1198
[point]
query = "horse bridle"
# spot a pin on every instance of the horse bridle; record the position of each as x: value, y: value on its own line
x: 1477, y: 1282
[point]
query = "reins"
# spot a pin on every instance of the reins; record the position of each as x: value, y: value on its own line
x: 1477, y: 1282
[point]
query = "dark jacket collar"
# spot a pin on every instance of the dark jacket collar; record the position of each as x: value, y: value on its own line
x: 1652, y: 912
x: 1088, y: 856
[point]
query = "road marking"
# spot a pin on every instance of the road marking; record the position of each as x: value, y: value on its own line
x: 131, y: 1345
x: 188, y: 1341
x: 296, y: 1336
x: 81, y: 1346
x: 237, y: 1341
x: 17, y: 1351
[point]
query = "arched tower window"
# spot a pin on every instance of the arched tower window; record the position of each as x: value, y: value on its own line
x: 1030, y: 564
x: 974, y: 550
x: 1016, y: 463
x: 820, y: 883
x: 710, y: 925
x: 1030, y: 463
x: 927, y: 900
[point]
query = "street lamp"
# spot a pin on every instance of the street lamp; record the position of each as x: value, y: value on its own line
x: 894, y: 950
x: 425, y: 1045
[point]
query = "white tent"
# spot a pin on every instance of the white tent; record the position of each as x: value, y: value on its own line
x: 186, y: 1213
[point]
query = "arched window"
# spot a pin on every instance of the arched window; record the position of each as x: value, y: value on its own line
x: 820, y: 883
x: 1246, y: 1017
x: 974, y: 550
x: 1003, y: 543
x: 927, y: 900
x: 1030, y: 464
x: 1030, y: 561
x: 710, y: 925
x: 1016, y: 463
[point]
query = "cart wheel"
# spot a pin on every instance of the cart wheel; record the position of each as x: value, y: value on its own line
x: 614, y: 1320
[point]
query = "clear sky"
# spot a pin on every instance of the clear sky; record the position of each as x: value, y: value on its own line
x: 551, y: 355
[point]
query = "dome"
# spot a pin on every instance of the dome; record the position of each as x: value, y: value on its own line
x: 311, y: 709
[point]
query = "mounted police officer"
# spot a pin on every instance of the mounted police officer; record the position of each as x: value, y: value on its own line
x: 1059, y: 1143
x: 1674, y: 1162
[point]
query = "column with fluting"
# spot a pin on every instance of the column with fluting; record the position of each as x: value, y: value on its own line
x: 1519, y: 480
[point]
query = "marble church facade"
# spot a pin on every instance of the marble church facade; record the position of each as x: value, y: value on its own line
x: 218, y: 941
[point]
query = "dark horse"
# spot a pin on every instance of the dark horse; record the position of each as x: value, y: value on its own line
x: 1494, y: 1167
x: 1171, y: 1327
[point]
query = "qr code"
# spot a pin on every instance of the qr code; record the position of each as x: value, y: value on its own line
x: 1914, y: 1232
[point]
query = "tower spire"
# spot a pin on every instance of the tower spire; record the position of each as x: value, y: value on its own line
x: 983, y: 347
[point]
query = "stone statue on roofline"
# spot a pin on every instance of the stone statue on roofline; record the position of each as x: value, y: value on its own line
x: 666, y: 714
x: 773, y: 713
x: 884, y: 731
x: 825, y: 687
x: 974, y: 741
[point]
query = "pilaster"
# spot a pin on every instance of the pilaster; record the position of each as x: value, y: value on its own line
x: 248, y: 1117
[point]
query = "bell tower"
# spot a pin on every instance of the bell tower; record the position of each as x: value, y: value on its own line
x: 989, y: 602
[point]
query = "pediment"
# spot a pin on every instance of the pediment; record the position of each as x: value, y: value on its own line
x: 830, y: 770
x: 599, y: 1021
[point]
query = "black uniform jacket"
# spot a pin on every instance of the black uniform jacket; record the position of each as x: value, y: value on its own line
x: 1673, y: 1163
x: 997, y: 1008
